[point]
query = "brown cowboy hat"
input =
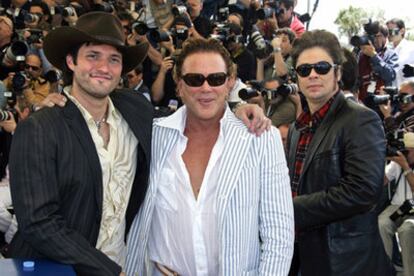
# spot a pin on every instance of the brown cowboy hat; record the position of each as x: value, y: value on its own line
x: 95, y: 27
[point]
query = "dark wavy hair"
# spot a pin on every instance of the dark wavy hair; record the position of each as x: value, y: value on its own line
x: 318, y: 38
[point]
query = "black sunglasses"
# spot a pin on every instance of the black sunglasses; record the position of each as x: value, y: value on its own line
x: 197, y: 80
x: 34, y: 68
x: 322, y: 68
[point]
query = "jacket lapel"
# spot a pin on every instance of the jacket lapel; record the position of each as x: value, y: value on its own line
x: 322, y: 131
x: 80, y: 129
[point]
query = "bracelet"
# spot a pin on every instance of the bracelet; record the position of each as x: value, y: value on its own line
x: 407, y: 172
x: 276, y: 50
x: 238, y: 105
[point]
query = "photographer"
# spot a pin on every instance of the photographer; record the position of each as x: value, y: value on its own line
x: 403, y: 47
x: 6, y: 34
x: 241, y: 56
x: 201, y: 26
x: 404, y: 119
x: 377, y: 63
x: 400, y: 170
x: 287, y: 18
x: 30, y: 82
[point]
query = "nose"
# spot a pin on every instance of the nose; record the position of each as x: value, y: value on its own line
x: 313, y: 74
x: 205, y: 85
x: 103, y: 65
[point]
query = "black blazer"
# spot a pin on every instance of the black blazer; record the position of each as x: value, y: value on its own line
x: 56, y: 184
x: 340, y: 185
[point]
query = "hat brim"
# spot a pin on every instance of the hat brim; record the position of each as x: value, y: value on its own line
x: 59, y: 42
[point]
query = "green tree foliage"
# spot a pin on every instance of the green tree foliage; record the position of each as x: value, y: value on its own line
x: 350, y: 21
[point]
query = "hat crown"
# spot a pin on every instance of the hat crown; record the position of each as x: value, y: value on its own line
x: 102, y: 26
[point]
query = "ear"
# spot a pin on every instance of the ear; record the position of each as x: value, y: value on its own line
x: 179, y: 85
x: 338, y: 73
x: 69, y: 62
x: 231, y: 81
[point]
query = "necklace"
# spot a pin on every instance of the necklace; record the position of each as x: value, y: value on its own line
x: 98, y: 124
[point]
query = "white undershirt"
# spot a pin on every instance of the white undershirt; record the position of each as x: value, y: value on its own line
x: 183, y: 234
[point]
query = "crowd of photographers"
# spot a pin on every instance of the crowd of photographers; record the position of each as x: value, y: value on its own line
x: 377, y: 73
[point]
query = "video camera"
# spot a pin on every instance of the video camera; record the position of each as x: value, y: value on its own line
x: 371, y: 29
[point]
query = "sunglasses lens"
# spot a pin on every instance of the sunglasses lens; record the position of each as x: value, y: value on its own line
x: 194, y: 80
x: 322, y: 67
x: 304, y: 70
x: 197, y: 80
x: 216, y: 79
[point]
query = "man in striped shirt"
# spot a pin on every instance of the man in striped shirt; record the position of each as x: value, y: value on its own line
x: 219, y: 199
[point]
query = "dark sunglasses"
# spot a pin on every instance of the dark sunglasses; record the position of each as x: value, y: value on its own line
x: 34, y: 68
x: 322, y: 68
x: 197, y: 80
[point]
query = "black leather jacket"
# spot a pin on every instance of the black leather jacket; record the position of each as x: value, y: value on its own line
x: 340, y: 185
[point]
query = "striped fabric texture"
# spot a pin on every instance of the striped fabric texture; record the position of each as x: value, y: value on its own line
x: 254, y: 205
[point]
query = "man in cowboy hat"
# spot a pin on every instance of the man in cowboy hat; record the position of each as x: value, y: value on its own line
x: 79, y: 172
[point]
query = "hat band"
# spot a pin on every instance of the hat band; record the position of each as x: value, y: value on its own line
x: 109, y: 39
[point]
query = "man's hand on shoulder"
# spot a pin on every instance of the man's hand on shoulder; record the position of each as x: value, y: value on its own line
x: 51, y: 100
x: 253, y: 117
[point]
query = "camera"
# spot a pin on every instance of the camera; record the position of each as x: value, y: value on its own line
x: 392, y: 96
x: 179, y: 10
x: 30, y: 18
x: 408, y: 71
x: 257, y: 88
x: 35, y: 36
x: 264, y: 13
x: 140, y: 27
x: 223, y: 14
x: 371, y: 29
x: 16, y: 52
x: 262, y: 48
x: 4, y: 115
x: 407, y: 208
x: 18, y: 82
x: 158, y: 36
x: 395, y: 142
x: 53, y: 76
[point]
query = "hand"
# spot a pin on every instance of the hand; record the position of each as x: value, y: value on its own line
x: 122, y: 274
x: 10, y: 124
x: 368, y: 50
x: 253, y: 117
x: 400, y: 160
x: 276, y: 42
x: 166, y: 65
x: 51, y: 100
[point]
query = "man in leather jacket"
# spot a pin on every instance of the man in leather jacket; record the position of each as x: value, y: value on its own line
x: 336, y: 161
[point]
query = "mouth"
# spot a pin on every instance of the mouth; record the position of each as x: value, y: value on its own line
x: 314, y: 86
x: 101, y: 77
x: 205, y: 101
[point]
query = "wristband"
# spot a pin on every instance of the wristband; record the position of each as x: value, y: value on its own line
x: 407, y: 172
x: 238, y: 105
x: 276, y: 50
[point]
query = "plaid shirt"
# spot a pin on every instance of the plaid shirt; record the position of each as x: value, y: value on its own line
x: 307, y: 124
